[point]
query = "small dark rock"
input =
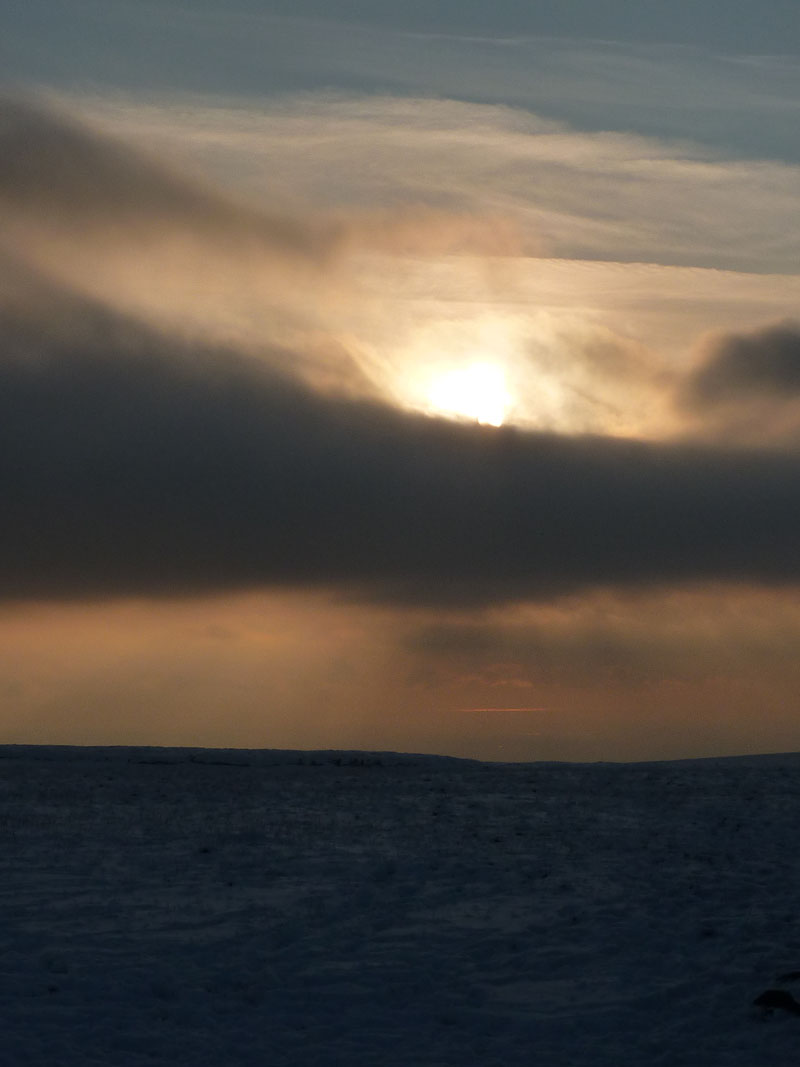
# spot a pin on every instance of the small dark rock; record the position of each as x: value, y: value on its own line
x: 777, y: 998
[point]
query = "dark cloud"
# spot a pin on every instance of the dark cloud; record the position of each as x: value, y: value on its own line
x: 739, y: 367
x: 746, y: 387
x: 132, y: 462
x: 58, y: 173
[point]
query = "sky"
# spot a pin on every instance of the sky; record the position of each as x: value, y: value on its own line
x: 419, y: 377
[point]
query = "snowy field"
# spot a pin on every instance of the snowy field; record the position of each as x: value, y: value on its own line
x: 191, y: 907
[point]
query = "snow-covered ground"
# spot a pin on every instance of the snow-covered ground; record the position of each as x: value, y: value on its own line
x: 191, y: 907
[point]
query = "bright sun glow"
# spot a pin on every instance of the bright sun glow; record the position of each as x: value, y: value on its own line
x: 477, y: 392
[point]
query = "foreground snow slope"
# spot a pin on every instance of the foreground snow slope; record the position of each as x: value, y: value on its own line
x: 198, y: 907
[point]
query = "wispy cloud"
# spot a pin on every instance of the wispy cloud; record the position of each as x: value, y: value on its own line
x: 599, y: 195
x: 730, y: 83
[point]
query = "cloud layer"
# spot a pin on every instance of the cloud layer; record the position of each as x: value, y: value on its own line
x: 137, y: 459
x: 135, y: 463
x: 585, y: 192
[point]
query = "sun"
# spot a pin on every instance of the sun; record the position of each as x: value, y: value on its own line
x: 476, y: 391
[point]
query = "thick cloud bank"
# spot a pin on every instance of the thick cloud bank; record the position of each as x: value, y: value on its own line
x: 133, y: 463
